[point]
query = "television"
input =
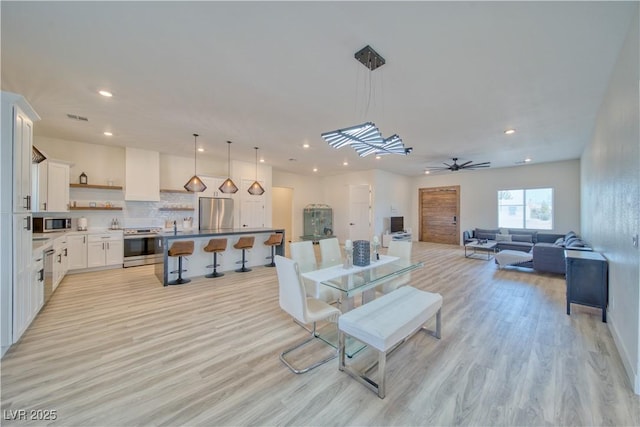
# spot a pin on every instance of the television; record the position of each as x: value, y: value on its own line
x: 397, y: 224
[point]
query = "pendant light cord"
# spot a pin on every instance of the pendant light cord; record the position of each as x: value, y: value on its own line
x: 195, y: 154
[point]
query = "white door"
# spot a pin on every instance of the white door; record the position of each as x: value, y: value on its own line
x: 251, y: 207
x: 359, y: 212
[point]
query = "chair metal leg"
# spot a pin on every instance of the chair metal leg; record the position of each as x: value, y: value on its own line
x: 214, y: 265
x: 273, y: 257
x: 296, y: 370
x: 179, y: 280
x: 243, y: 269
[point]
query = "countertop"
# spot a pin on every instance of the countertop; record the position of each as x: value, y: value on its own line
x: 181, y: 234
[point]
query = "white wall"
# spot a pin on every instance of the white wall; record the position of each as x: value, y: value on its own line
x: 306, y: 190
x: 611, y: 200
x: 392, y: 197
x: 388, y: 190
x: 101, y: 163
x: 479, y: 192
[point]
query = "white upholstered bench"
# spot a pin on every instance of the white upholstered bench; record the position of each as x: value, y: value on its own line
x: 384, y: 323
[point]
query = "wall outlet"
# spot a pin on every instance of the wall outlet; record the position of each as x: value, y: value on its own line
x: 635, y: 241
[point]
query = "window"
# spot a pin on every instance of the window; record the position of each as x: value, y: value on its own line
x: 527, y: 208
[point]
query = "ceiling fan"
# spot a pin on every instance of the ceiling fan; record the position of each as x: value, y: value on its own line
x: 456, y: 167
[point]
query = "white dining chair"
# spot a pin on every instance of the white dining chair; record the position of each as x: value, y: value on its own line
x: 330, y: 251
x: 305, y: 310
x: 401, y: 249
x: 304, y: 254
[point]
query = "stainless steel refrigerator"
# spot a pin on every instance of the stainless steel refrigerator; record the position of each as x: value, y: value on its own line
x: 215, y: 213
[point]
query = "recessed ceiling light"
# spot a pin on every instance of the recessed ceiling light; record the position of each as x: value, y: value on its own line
x: 509, y: 131
x: 378, y: 157
x: 108, y: 133
x: 345, y: 163
x: 305, y: 145
x: 427, y: 172
x: 105, y: 93
x: 315, y: 169
x: 261, y: 160
x: 527, y: 160
x: 201, y: 149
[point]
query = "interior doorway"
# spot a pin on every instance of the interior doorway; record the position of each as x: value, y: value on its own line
x: 440, y: 215
x: 359, y: 212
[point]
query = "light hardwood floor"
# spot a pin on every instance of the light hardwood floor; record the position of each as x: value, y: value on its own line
x: 115, y: 348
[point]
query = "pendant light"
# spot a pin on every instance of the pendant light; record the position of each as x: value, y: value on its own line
x: 256, y: 189
x: 195, y: 184
x: 228, y: 187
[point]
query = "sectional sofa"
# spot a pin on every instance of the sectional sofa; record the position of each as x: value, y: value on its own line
x: 547, y: 248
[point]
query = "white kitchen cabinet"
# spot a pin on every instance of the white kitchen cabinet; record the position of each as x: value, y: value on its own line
x: 213, y: 187
x: 105, y: 249
x: 142, y: 175
x: 53, y: 187
x: 77, y: 249
x: 15, y: 216
x: 60, y: 260
x: 22, y: 278
x: 37, y: 284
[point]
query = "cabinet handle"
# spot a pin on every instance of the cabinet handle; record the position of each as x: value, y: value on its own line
x: 103, y: 246
x: 108, y: 246
x: 28, y: 226
x: 41, y: 275
x: 84, y: 239
x: 65, y: 252
x: 44, y: 206
x: 59, y: 258
x: 27, y: 201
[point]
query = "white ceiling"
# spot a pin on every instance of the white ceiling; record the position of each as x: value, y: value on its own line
x: 278, y: 74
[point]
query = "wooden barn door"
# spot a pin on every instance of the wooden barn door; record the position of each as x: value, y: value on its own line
x: 440, y: 215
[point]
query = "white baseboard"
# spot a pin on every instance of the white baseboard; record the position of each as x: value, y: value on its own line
x: 629, y: 367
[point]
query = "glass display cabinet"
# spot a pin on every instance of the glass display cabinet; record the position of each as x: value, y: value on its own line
x: 317, y: 222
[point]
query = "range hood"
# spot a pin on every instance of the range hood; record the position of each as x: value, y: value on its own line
x: 37, y: 156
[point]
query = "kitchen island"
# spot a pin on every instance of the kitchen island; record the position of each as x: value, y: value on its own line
x: 196, y: 264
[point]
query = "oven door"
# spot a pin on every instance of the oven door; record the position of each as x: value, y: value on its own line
x: 142, y: 250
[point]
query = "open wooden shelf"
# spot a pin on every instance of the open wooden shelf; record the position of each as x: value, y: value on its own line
x: 94, y: 208
x: 97, y: 187
x: 168, y: 190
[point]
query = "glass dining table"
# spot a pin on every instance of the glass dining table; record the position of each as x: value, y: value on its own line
x: 354, y: 281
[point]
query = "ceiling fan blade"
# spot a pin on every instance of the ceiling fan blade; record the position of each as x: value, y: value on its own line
x: 481, y: 165
x: 447, y: 165
x: 466, y: 163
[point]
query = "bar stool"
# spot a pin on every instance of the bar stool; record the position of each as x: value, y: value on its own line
x: 273, y: 241
x: 180, y: 249
x: 244, y: 243
x: 215, y: 246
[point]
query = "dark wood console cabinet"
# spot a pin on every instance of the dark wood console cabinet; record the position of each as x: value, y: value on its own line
x: 587, y: 281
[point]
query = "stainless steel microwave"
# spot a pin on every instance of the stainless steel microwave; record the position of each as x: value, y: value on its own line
x: 46, y: 225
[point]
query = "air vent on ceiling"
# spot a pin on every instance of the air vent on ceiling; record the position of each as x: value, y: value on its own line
x: 75, y: 117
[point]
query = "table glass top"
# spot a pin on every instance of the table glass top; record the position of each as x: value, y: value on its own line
x: 357, y: 279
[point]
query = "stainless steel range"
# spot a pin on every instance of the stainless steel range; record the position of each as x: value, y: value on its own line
x: 142, y: 246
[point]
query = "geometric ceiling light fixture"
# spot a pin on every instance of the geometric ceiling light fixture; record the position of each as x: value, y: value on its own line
x: 366, y: 138
x: 228, y: 187
x: 195, y: 184
x: 256, y: 189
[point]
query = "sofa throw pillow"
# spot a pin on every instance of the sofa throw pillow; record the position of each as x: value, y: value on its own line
x: 522, y: 238
x: 484, y: 233
x: 570, y: 240
x: 576, y: 243
x: 570, y: 235
x: 559, y: 241
x: 503, y: 237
